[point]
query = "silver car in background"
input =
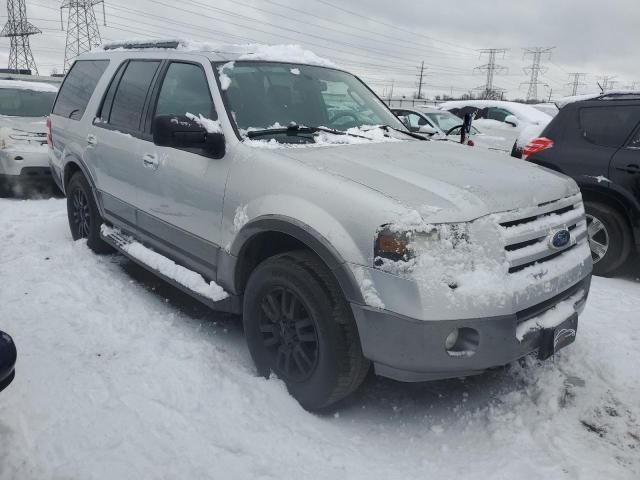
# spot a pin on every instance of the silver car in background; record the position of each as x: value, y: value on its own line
x: 270, y: 183
x: 24, y: 164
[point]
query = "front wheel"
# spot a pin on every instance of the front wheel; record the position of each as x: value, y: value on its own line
x: 83, y: 215
x: 299, y: 326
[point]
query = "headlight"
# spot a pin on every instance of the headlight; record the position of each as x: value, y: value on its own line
x: 442, y: 241
x: 401, y: 246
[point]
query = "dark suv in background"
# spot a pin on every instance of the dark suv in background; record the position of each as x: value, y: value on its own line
x: 597, y: 142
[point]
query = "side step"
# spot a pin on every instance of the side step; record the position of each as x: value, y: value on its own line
x: 190, y: 282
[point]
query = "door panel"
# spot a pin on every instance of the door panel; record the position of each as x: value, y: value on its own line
x: 185, y: 190
x: 625, y: 167
x: 116, y: 143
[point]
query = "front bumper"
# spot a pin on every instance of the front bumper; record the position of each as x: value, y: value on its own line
x: 412, y: 350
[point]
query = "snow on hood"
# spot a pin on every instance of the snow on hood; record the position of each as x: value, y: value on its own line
x: 24, y: 85
x: 443, y: 181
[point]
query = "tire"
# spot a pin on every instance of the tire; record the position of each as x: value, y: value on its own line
x: 83, y: 215
x: 609, y: 237
x: 320, y: 324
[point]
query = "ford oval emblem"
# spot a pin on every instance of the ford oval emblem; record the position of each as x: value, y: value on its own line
x: 560, y: 239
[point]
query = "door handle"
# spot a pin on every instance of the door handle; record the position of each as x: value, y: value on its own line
x: 92, y: 140
x: 150, y: 160
x: 631, y: 168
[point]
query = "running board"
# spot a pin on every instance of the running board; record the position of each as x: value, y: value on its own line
x: 188, y: 281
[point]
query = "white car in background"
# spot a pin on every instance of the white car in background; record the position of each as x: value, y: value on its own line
x: 516, y: 123
x: 443, y: 125
x: 24, y: 161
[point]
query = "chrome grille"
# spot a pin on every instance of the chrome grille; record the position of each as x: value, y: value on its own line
x: 527, y: 231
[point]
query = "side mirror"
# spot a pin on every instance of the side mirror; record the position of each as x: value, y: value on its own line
x: 427, y: 129
x: 511, y: 120
x: 7, y: 360
x: 179, y: 131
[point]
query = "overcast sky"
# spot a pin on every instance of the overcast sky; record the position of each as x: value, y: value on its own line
x: 384, y: 41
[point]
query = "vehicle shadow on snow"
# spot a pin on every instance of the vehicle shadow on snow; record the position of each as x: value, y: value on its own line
x: 377, y: 393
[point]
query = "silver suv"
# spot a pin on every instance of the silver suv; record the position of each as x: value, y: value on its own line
x: 267, y: 182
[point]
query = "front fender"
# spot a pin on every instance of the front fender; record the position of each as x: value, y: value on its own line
x: 302, y: 232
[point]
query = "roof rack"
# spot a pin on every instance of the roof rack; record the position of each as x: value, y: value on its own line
x: 629, y: 95
x: 168, y: 44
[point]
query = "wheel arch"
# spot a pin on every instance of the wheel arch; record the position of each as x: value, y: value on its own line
x: 270, y: 235
x: 73, y: 165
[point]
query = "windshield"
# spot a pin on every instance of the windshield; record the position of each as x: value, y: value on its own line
x: 263, y: 95
x: 445, y: 121
x: 17, y: 102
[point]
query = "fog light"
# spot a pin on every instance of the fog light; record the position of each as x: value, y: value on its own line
x: 451, y: 339
x: 462, y: 342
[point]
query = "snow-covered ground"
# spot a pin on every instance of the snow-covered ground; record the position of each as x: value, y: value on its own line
x: 122, y: 377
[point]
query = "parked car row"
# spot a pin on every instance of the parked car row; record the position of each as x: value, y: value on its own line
x: 268, y: 183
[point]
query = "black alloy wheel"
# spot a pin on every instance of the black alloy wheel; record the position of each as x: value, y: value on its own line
x: 289, y: 334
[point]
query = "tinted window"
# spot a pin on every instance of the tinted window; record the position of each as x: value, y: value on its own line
x: 499, y: 114
x: 130, y: 96
x: 608, y: 126
x: 78, y: 88
x: 16, y: 102
x: 185, y: 90
x: 105, y: 110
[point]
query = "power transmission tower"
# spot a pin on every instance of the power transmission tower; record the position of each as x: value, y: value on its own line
x: 575, y: 82
x: 489, y: 90
x: 83, y: 33
x: 18, y: 29
x: 420, y: 80
x: 607, y: 83
x: 535, y: 69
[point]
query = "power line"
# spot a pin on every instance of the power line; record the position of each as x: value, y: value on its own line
x: 535, y: 69
x: 489, y: 90
x: 83, y: 33
x: 18, y: 29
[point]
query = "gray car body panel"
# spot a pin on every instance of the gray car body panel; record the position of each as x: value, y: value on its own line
x: 201, y: 211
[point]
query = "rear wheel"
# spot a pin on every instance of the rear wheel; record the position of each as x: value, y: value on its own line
x: 83, y: 215
x: 609, y: 237
x: 299, y: 326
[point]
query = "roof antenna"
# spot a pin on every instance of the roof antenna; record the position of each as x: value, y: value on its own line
x: 601, y: 89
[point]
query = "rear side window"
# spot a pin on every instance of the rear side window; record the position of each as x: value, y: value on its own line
x: 608, y: 126
x: 78, y: 87
x: 131, y: 93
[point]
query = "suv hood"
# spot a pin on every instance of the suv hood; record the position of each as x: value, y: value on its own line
x: 445, y: 182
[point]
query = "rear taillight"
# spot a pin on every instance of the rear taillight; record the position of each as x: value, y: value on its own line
x: 535, y: 146
x: 49, y: 134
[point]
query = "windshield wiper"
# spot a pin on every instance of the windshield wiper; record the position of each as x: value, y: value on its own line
x: 386, y: 128
x: 295, y: 129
